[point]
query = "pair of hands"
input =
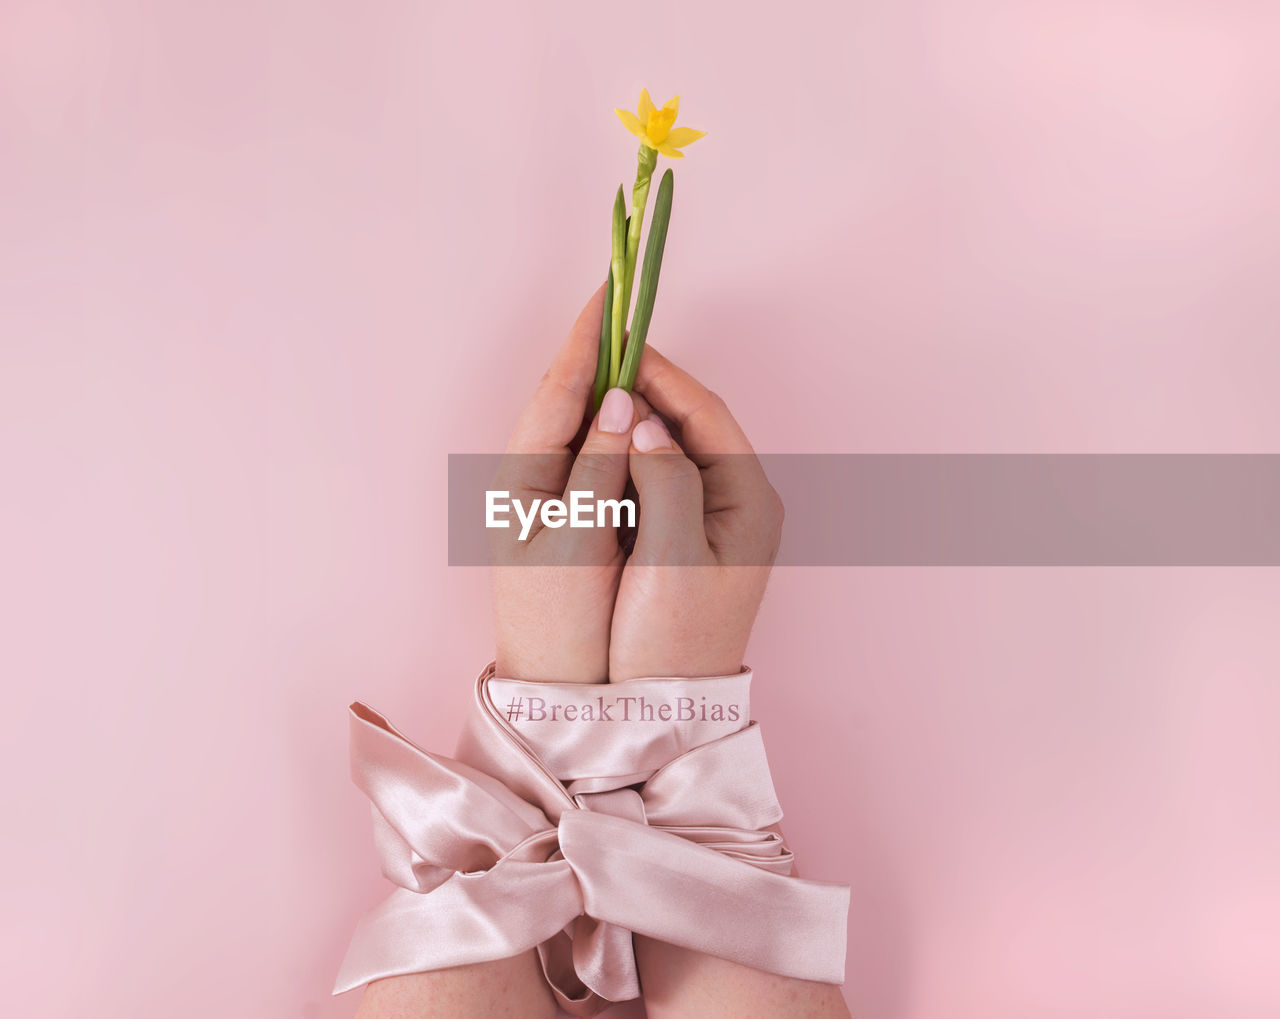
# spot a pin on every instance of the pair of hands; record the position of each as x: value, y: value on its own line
x: 572, y: 605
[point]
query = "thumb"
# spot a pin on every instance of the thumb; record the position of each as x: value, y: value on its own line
x: 670, y: 531
x: 601, y: 464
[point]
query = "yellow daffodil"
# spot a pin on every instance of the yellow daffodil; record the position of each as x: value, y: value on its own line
x: 653, y: 126
x: 658, y: 134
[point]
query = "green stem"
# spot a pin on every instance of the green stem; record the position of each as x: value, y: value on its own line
x: 648, y: 290
x: 616, y: 268
x: 646, y: 162
x: 606, y: 334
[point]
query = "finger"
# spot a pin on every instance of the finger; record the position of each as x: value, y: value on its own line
x: 538, y: 458
x: 669, y: 484
x: 554, y: 415
x: 732, y: 475
x: 601, y: 465
x: 706, y: 427
x: 643, y: 407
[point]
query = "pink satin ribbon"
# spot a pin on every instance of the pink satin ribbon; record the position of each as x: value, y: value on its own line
x: 570, y: 834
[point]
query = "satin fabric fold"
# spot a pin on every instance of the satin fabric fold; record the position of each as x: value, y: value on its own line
x: 570, y: 835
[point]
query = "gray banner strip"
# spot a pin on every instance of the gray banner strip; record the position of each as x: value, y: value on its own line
x: 982, y: 509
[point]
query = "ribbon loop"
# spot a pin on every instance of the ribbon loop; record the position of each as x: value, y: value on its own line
x: 572, y: 838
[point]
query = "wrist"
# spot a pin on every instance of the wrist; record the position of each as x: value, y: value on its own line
x: 549, y: 665
x: 688, y: 663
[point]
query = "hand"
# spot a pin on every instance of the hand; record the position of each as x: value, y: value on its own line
x: 710, y: 524
x: 709, y: 528
x: 554, y: 593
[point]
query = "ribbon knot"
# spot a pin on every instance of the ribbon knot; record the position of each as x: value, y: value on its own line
x: 571, y: 833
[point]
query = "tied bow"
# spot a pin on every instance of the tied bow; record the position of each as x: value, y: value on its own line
x: 571, y: 835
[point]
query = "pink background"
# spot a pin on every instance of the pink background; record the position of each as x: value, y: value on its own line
x: 263, y: 265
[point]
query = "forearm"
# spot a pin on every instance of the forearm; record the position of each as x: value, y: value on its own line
x: 505, y: 987
x: 678, y: 982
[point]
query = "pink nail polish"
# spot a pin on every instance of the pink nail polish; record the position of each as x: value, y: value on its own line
x: 616, y: 411
x: 650, y: 435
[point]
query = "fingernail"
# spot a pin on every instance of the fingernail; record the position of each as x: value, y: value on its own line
x: 616, y: 411
x: 650, y: 435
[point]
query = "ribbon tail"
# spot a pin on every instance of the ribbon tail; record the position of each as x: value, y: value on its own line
x: 470, y: 918
x: 660, y: 885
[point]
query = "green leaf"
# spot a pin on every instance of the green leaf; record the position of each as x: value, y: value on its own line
x: 648, y: 291
x: 606, y: 332
x: 619, y: 254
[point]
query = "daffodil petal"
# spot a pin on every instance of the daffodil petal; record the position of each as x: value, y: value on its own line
x: 682, y: 136
x: 631, y: 122
x: 670, y: 151
x: 672, y: 104
x: 646, y: 107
